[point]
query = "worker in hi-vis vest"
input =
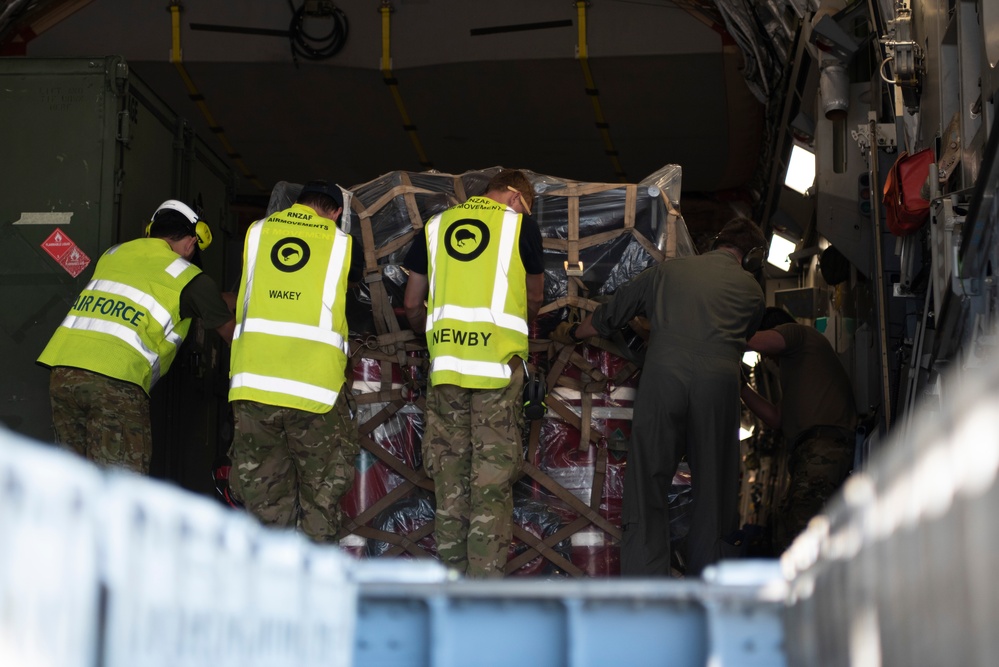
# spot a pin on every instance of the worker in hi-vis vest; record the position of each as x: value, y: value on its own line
x: 122, y: 334
x: 295, y: 438
x: 476, y: 278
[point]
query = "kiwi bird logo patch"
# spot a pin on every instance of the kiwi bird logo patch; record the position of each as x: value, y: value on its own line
x: 466, y: 239
x: 290, y: 254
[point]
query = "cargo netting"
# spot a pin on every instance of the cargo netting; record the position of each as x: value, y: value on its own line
x: 567, y: 502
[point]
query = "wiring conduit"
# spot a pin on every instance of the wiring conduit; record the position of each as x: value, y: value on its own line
x: 199, y: 99
x: 389, y: 78
x: 591, y: 89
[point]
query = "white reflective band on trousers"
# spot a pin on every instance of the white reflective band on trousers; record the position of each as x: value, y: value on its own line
x: 284, y: 386
x: 501, y: 285
x: 121, y: 332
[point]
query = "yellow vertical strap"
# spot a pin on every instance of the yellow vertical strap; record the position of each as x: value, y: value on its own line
x: 389, y: 78
x: 199, y: 100
x: 582, y: 54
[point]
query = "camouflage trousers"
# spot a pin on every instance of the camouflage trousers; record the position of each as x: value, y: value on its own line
x: 291, y: 467
x: 100, y: 418
x: 817, y: 467
x: 472, y: 450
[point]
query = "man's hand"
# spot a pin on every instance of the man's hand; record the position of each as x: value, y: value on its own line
x: 563, y: 333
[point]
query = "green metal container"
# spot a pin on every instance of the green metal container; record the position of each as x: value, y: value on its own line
x: 89, y: 152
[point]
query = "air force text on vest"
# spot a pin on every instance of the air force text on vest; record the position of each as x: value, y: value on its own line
x: 105, y: 306
x: 470, y: 338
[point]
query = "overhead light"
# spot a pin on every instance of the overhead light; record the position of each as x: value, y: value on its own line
x: 751, y: 358
x: 800, y: 175
x: 781, y: 248
x: 744, y: 433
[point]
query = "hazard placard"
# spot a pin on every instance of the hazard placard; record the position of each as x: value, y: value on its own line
x: 74, y: 261
x: 57, y: 244
x: 69, y: 256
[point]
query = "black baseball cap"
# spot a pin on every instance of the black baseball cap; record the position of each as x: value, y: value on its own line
x: 324, y: 188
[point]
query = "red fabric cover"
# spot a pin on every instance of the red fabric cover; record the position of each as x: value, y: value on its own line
x: 905, y: 209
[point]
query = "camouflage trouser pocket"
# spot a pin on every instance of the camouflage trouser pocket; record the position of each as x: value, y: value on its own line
x: 428, y: 460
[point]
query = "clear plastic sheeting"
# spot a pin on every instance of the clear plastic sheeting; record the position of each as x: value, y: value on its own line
x: 596, y: 237
x: 406, y: 517
x: 284, y: 195
x: 763, y: 35
x: 608, y: 233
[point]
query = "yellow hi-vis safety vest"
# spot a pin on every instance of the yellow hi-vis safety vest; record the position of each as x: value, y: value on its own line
x: 477, y: 305
x: 290, y: 344
x: 126, y: 322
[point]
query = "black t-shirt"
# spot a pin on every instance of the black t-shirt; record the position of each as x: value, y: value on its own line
x: 201, y: 298
x: 356, y: 271
x: 531, y: 250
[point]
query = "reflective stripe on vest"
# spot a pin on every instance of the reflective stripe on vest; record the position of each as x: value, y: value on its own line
x: 136, y: 288
x: 308, y: 332
x: 474, y: 330
x: 481, y: 368
x: 284, y: 386
x: 293, y: 330
x: 121, y: 332
x: 156, y: 311
x: 492, y: 315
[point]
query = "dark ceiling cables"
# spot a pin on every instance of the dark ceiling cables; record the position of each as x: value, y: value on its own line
x: 317, y: 47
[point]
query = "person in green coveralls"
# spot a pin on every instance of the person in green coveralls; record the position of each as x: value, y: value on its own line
x: 702, y: 310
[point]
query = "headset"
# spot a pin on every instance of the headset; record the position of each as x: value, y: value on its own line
x: 534, y: 394
x: 201, y: 228
x: 752, y: 260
